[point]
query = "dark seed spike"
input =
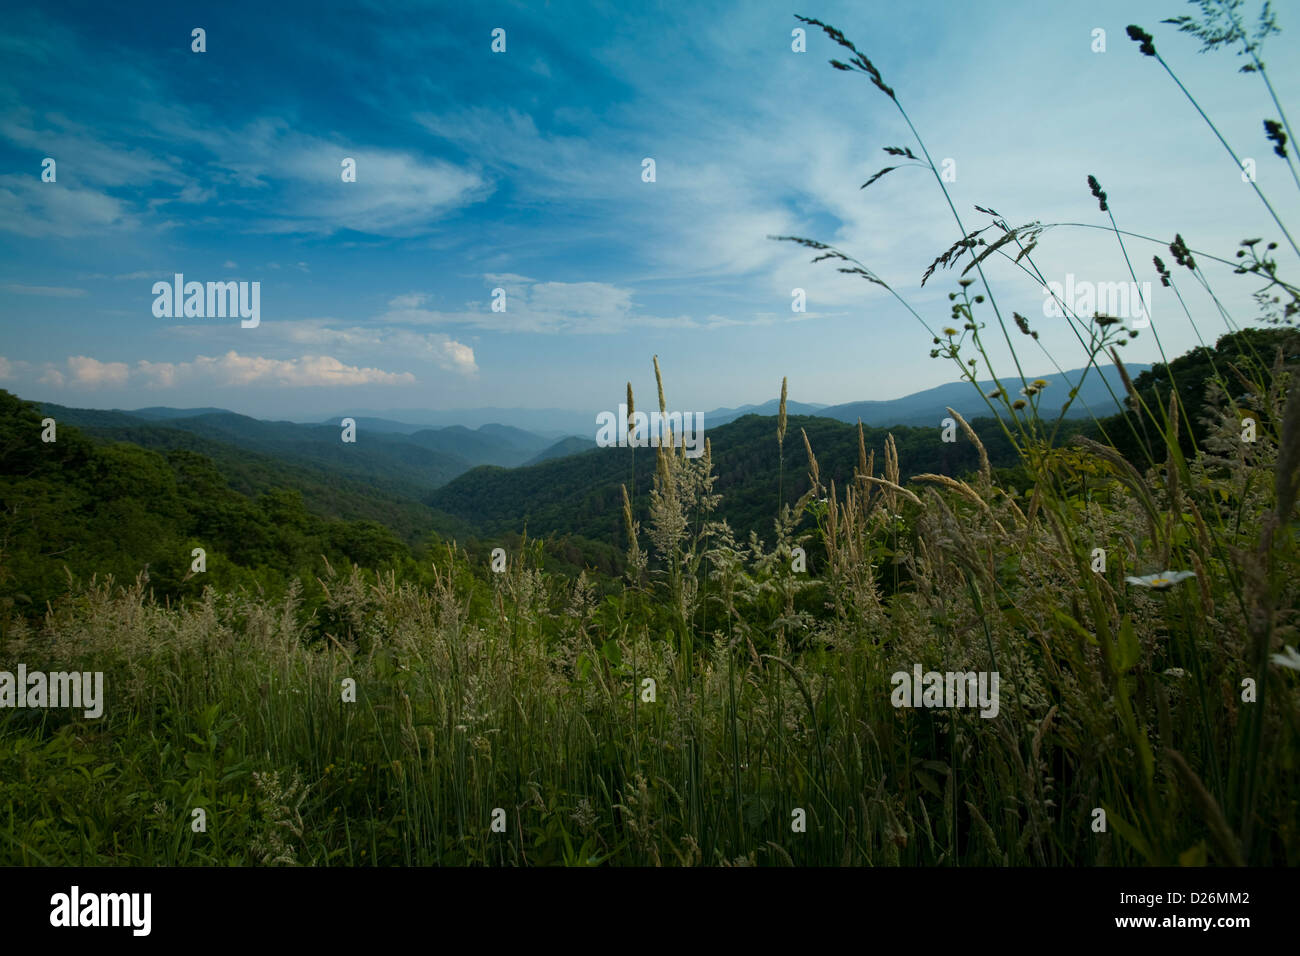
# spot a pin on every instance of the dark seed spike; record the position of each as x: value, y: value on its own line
x: 887, y: 169
x: 860, y: 60
x: 1144, y: 40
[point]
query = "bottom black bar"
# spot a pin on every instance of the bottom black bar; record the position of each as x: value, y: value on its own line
x: 339, y: 905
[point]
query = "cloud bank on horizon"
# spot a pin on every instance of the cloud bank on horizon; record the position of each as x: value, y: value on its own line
x: 441, y: 216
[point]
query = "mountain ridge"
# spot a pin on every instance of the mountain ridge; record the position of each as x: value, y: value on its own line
x: 924, y: 407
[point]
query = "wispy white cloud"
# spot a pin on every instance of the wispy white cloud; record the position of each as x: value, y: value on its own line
x: 79, y: 371
x: 412, y: 300
x: 298, y: 180
x: 32, y: 208
x: 85, y: 155
x: 88, y: 372
x: 233, y: 369
x: 375, y: 341
x: 396, y: 192
x: 592, y: 308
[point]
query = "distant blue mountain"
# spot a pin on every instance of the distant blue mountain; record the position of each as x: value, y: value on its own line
x: 162, y: 412
x: 550, y: 423
x: 720, y: 416
x: 573, y: 445
x: 919, y: 408
x: 930, y: 406
x: 414, y: 463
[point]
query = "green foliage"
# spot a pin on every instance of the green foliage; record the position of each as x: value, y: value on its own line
x: 1237, y: 360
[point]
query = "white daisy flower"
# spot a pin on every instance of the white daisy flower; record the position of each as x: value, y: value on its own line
x: 1291, y: 658
x: 1161, y: 580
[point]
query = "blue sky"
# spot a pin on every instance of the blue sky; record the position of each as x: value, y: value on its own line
x: 522, y: 170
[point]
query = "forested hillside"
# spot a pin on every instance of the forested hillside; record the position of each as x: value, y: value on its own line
x: 581, y: 494
x: 1227, y: 369
x: 117, y: 508
x: 385, y: 461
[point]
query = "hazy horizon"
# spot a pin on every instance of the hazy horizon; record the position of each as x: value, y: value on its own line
x: 552, y: 419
